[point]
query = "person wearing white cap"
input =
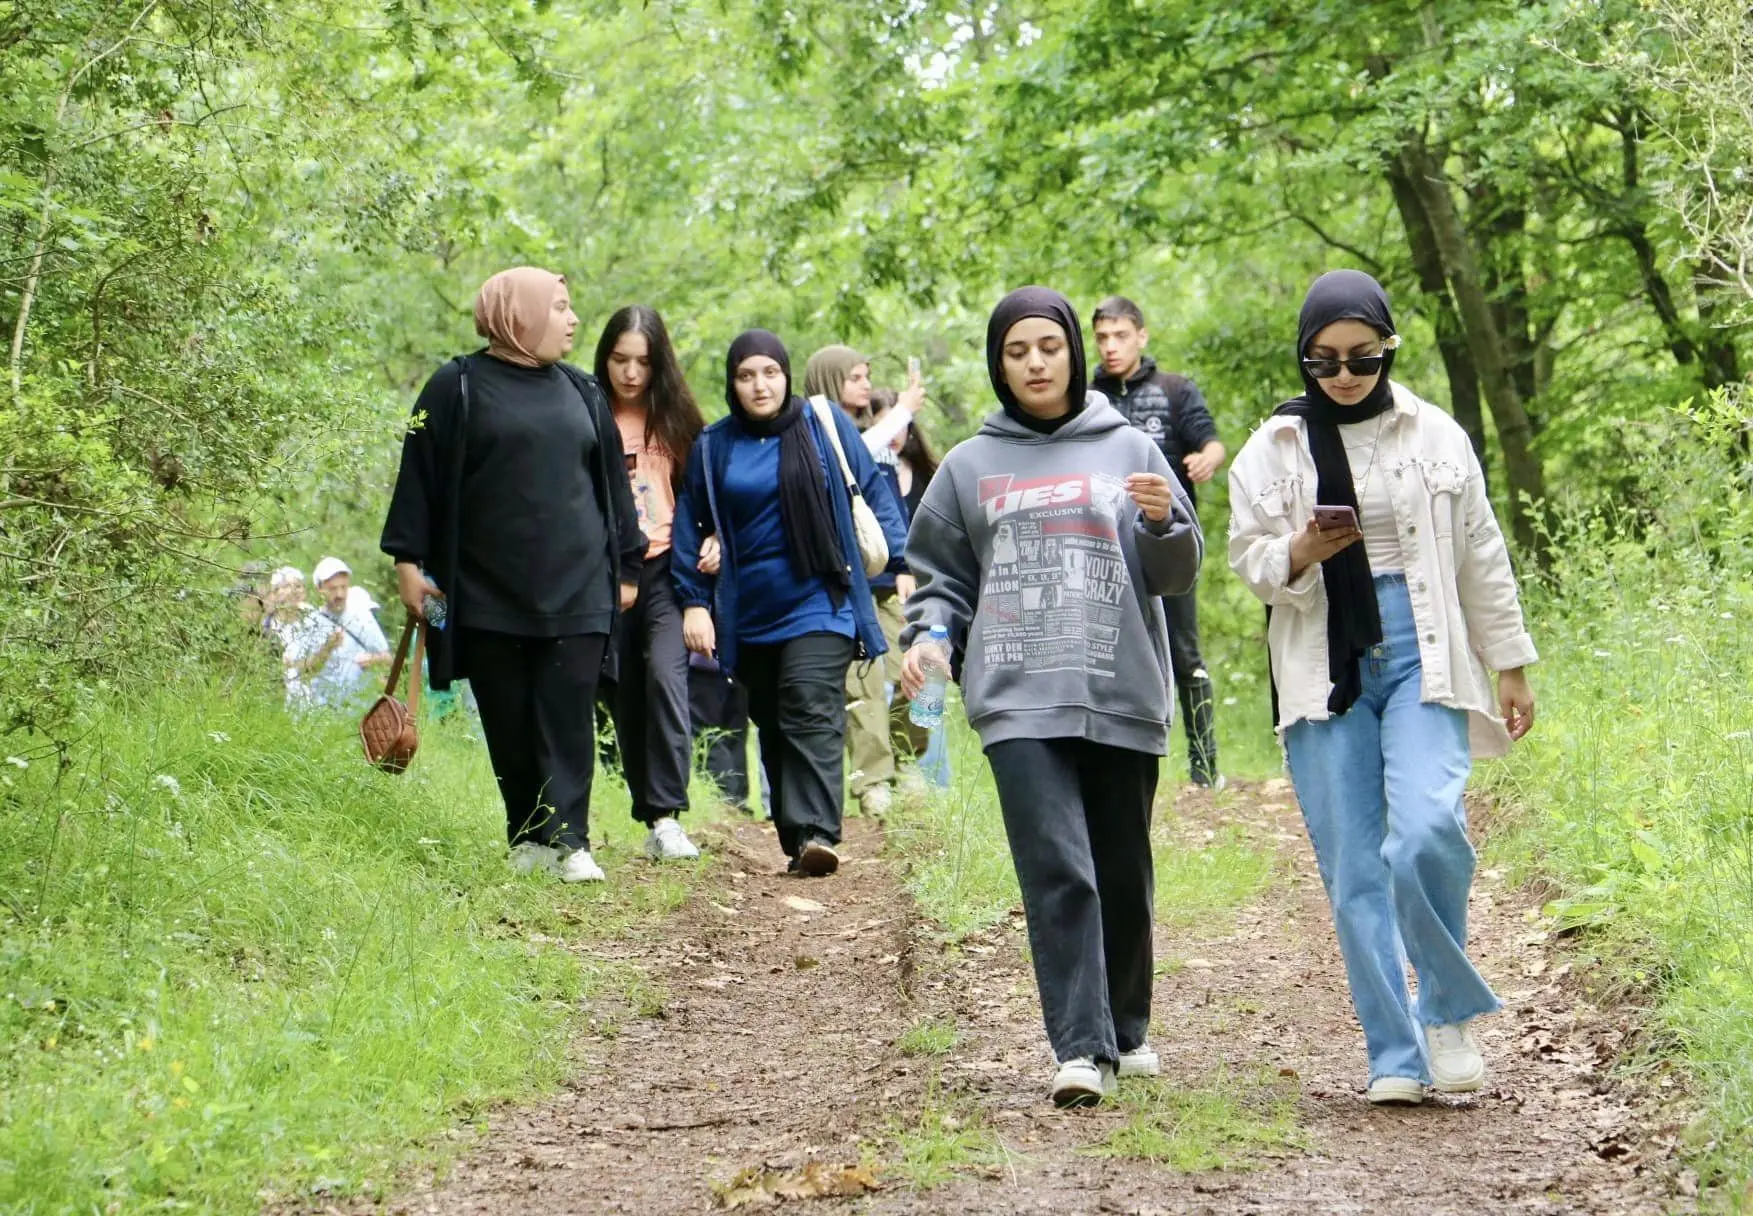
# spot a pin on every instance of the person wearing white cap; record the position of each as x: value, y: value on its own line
x: 328, y: 655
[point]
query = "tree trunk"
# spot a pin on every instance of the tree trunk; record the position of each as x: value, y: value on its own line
x: 1522, y: 464
x: 1721, y: 362
x: 1499, y: 221
x: 1451, y: 342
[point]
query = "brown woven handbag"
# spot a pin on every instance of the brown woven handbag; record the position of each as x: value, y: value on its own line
x: 388, y: 729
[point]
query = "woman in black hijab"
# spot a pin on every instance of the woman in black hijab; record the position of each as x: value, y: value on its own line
x: 767, y: 568
x: 1043, y: 547
x: 1361, y: 519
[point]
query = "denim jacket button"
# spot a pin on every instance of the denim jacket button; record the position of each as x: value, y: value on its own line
x: 1431, y: 638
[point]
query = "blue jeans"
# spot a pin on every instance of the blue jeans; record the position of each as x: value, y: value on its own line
x: 1380, y: 788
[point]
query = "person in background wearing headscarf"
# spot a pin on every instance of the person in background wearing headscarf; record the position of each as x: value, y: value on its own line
x: 659, y: 422
x: 921, y: 756
x: 788, y: 608
x: 1043, y: 547
x: 512, y: 506
x: 285, y: 605
x: 841, y: 376
x: 1360, y: 517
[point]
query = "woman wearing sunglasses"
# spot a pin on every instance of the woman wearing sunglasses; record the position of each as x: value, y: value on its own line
x: 1360, y: 517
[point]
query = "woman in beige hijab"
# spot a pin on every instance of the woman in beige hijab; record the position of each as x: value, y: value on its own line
x: 511, y: 510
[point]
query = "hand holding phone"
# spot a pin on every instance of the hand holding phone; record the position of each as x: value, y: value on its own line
x: 1329, y: 519
x: 1331, y: 530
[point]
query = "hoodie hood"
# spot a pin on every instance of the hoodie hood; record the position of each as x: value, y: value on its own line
x: 1095, y: 419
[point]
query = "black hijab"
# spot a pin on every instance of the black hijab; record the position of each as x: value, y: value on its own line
x: 1354, y: 620
x: 804, y: 507
x: 1036, y: 302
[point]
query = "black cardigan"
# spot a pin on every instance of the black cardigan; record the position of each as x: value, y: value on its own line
x: 422, y: 525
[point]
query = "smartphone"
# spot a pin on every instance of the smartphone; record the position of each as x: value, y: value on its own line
x: 912, y: 368
x: 1329, y: 518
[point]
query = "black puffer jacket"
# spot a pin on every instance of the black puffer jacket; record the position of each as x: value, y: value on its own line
x: 1168, y: 408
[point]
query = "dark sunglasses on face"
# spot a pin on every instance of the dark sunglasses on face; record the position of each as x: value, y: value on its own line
x: 1357, y: 365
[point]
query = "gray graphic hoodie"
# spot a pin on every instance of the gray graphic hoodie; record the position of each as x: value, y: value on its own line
x: 1029, y: 551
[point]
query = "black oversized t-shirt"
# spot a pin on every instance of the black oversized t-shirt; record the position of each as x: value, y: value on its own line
x: 533, y: 557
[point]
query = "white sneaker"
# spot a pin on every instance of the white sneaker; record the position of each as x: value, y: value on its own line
x: 876, y: 801
x: 580, y: 866
x: 1456, y: 1067
x: 1141, y: 1061
x: 1395, y: 1091
x: 1083, y: 1082
x: 529, y: 857
x: 667, y: 842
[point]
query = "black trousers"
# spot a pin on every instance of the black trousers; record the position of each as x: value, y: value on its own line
x: 797, y: 698
x: 649, y: 701
x: 536, y: 697
x: 1193, y: 684
x: 1077, y: 815
x: 719, y: 710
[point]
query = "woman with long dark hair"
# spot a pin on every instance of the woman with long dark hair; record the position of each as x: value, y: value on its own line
x: 784, y: 604
x: 1360, y: 517
x: 512, y: 506
x: 658, y: 423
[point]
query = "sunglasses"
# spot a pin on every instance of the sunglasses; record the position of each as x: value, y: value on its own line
x: 1357, y: 365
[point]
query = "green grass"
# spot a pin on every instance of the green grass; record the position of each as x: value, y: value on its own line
x: 1227, y: 1122
x: 956, y: 861
x: 1196, y: 884
x: 932, y: 1037
x: 236, y: 963
x: 1634, y: 793
x: 952, y: 849
x: 947, y: 1138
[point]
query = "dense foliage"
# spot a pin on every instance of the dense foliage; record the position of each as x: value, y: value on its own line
x: 235, y: 236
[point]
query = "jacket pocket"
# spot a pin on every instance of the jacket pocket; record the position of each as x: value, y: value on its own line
x: 1445, y: 481
x: 1278, y: 502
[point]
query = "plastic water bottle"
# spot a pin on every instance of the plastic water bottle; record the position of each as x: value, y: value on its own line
x: 927, y: 707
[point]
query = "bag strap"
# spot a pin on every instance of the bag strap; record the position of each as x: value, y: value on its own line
x: 822, y: 408
x: 415, y: 631
x: 711, y: 486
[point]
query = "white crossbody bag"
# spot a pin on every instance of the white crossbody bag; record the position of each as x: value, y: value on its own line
x: 873, y: 546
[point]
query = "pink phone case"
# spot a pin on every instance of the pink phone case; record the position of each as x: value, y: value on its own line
x: 1328, y: 518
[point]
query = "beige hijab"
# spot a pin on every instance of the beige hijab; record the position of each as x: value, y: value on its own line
x: 514, y: 310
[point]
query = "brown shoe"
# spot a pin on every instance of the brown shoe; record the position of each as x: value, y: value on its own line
x: 818, y: 859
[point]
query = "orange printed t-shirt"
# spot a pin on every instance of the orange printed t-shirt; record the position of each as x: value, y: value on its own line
x: 648, y: 471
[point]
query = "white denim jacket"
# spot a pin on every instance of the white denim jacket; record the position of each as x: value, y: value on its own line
x: 1458, y: 574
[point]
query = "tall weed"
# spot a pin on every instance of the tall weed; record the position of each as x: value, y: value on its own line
x: 1637, y: 784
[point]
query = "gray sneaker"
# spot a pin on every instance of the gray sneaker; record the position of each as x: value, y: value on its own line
x: 529, y: 857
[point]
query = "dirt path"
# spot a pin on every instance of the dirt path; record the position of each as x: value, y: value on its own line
x: 776, y: 1047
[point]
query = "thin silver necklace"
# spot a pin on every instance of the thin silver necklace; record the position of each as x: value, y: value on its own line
x: 1363, y: 486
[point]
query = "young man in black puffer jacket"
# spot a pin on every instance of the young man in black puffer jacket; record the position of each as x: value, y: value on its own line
x: 1171, y: 410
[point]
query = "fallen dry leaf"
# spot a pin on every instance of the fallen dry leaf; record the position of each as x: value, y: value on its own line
x: 758, y: 1186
